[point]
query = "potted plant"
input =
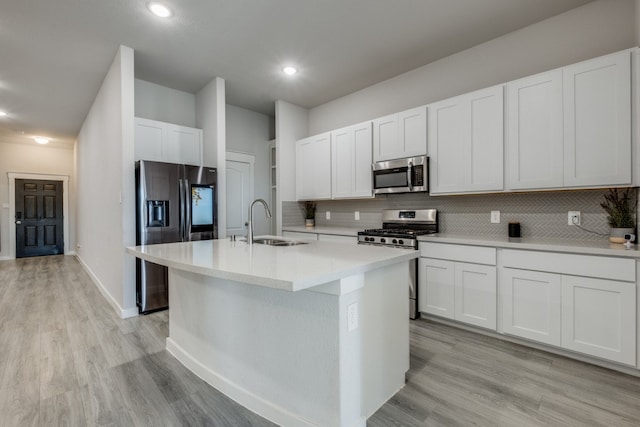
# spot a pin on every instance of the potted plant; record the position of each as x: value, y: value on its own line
x: 309, y: 208
x: 621, y: 207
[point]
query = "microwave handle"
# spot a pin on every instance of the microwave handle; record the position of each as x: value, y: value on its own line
x: 410, y: 176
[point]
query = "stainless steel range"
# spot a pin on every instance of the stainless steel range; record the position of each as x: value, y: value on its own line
x: 400, y: 229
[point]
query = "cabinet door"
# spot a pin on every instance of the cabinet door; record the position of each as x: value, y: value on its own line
x: 299, y: 235
x: 597, y: 121
x: 466, y: 140
x: 351, y: 162
x: 412, y: 128
x: 475, y: 294
x: 149, y: 140
x: 531, y: 303
x: 304, y: 168
x: 362, y: 155
x: 350, y: 240
x: 385, y: 138
x: 184, y: 145
x: 313, y: 167
x: 448, y: 146
x: 486, y: 145
x: 534, y: 141
x: 436, y: 287
x: 342, y: 163
x: 599, y: 318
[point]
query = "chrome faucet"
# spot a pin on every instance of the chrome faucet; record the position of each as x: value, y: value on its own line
x: 250, y: 224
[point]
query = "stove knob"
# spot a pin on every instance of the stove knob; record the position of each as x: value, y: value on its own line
x: 366, y: 239
x: 394, y: 241
x: 401, y: 242
x: 383, y: 240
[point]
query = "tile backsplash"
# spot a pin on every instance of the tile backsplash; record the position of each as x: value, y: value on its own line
x: 541, y: 214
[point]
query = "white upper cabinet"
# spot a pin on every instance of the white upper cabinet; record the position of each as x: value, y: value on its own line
x: 313, y: 167
x: 534, y: 132
x: 150, y: 140
x: 184, y: 144
x: 167, y: 142
x: 597, y: 121
x: 351, y: 154
x: 466, y: 143
x: 400, y: 135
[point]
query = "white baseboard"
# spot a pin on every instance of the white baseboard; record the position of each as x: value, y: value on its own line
x: 254, y: 403
x: 5, y: 258
x: 124, y: 313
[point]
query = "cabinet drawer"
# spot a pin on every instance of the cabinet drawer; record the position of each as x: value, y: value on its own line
x: 576, y: 265
x: 463, y: 253
x: 300, y: 235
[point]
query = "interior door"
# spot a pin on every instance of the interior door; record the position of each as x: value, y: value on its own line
x: 239, y: 194
x: 39, y: 218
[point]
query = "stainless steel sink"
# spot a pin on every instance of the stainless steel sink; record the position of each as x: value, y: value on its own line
x: 277, y: 242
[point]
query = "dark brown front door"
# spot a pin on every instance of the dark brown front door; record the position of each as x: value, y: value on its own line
x: 39, y: 218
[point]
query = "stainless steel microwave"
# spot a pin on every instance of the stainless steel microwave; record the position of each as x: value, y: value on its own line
x: 406, y: 175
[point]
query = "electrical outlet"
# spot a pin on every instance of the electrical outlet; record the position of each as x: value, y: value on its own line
x: 328, y: 215
x: 356, y: 215
x: 495, y: 217
x: 352, y: 317
x: 573, y: 218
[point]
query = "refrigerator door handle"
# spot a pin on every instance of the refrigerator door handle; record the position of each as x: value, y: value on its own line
x: 187, y: 204
x: 181, y: 203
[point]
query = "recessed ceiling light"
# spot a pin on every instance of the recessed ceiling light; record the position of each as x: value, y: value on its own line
x: 289, y: 70
x: 159, y: 9
x: 41, y: 140
x: 3, y: 113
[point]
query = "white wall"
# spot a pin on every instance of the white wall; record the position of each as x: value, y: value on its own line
x: 105, y: 186
x: 638, y: 22
x: 161, y: 103
x: 34, y: 159
x: 248, y: 132
x: 291, y: 124
x: 210, y: 117
x: 595, y: 29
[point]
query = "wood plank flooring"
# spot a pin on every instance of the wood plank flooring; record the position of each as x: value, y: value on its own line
x: 67, y: 359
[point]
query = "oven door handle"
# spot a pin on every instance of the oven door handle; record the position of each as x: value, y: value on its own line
x: 410, y: 176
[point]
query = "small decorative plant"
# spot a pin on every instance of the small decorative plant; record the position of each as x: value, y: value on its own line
x: 309, y: 208
x: 621, y: 207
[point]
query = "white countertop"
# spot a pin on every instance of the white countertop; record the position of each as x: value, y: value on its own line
x: 291, y: 268
x: 323, y: 229
x: 588, y: 247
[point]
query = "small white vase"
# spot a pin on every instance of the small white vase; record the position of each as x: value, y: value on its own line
x: 309, y: 223
x: 616, y: 235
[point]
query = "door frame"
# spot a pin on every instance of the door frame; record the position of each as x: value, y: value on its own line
x: 12, y: 207
x: 237, y: 156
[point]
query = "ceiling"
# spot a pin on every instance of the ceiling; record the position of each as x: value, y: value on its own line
x: 55, y: 54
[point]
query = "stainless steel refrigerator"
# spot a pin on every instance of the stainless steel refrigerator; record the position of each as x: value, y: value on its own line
x: 174, y: 203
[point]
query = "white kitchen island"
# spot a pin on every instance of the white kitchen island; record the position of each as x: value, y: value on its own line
x: 307, y: 335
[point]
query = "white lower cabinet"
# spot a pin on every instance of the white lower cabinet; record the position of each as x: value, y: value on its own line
x: 456, y: 290
x: 531, y: 305
x: 475, y: 294
x: 299, y: 235
x: 592, y: 315
x: 436, y: 287
x: 599, y: 318
x: 338, y: 238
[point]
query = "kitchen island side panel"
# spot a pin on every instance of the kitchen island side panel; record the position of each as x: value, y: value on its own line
x: 290, y: 356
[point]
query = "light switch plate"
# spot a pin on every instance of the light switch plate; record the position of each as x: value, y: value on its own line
x: 328, y: 215
x: 357, y: 215
x: 495, y: 217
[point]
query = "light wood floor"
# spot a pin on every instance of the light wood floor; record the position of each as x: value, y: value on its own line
x: 67, y: 359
